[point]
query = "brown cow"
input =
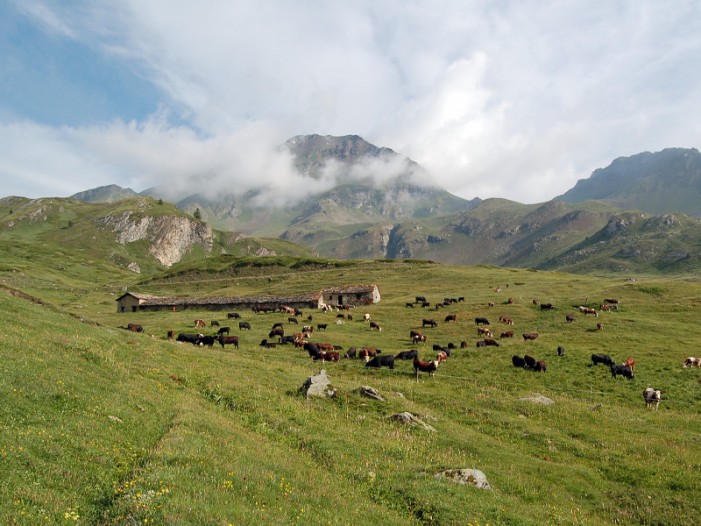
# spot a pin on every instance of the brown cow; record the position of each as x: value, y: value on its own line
x: 529, y: 336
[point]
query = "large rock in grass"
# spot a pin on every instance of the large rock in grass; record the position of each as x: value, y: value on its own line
x: 370, y: 392
x: 470, y: 477
x: 318, y: 385
x: 408, y: 419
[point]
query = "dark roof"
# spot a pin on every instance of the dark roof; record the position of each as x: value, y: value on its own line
x: 149, y: 299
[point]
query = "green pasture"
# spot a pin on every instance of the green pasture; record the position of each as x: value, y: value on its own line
x: 102, y: 426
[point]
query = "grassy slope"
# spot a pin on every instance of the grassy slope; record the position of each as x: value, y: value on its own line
x: 118, y: 427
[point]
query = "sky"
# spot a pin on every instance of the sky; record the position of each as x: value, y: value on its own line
x: 495, y: 98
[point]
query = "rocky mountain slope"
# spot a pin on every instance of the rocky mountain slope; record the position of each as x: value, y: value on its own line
x: 136, y: 234
x: 664, y: 182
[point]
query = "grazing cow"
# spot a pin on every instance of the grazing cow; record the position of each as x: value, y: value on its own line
x: 418, y: 337
x: 484, y: 331
x: 292, y: 320
x: 330, y: 356
x: 611, y: 300
x: 463, y: 344
x: 451, y: 317
x: 200, y: 323
x: 491, y: 342
x: 214, y: 323
x: 277, y: 331
x: 530, y: 361
x: 366, y: 317
x: 223, y: 330
x: 171, y: 335
x: 600, y: 326
x: 480, y: 343
x: 540, y: 366
x: 507, y: 334
x: 287, y: 339
x: 569, y: 318
x: 276, y: 325
x: 517, y: 361
x: 376, y: 326
x: 207, y: 341
x: 529, y: 336
x: 268, y: 345
x: 425, y: 304
x: 692, y: 361
x: 351, y: 353
x: 461, y: 299
x: 229, y: 340
x: 442, y: 357
x: 308, y: 328
x: 134, y: 327
x: 409, y: 304
x: 420, y: 299
x: 312, y: 349
x: 506, y: 320
x: 510, y: 301
x: 234, y: 315
x: 244, y: 325
x: 366, y: 353
x: 188, y: 337
x: 622, y: 370
x: 381, y: 361
x: 546, y: 306
x: 407, y: 355
x: 425, y: 367
x: 560, y: 350
x: 321, y: 326
x: 603, y: 359
x: 430, y: 323
x: 652, y: 397
x: 587, y: 310
x: 630, y: 362
x: 481, y: 321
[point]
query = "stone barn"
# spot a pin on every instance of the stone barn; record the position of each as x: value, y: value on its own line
x: 350, y: 295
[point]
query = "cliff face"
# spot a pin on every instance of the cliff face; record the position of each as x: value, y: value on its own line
x: 169, y: 237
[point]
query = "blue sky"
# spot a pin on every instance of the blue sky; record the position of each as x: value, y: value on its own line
x: 513, y: 99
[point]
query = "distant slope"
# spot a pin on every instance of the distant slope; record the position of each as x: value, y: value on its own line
x: 138, y: 234
x: 664, y: 182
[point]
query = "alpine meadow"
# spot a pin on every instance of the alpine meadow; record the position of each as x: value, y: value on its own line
x: 101, y: 425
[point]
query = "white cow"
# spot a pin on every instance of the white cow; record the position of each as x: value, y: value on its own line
x: 652, y: 397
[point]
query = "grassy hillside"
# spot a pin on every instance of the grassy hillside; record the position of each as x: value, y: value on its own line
x: 103, y: 426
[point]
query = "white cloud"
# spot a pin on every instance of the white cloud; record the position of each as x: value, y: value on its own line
x: 508, y: 99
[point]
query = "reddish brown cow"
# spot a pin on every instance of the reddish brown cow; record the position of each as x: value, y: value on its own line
x: 529, y: 336
x: 425, y: 367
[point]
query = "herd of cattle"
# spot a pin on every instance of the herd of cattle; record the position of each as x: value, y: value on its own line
x: 374, y: 358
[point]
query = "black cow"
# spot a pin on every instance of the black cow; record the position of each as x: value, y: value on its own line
x: 313, y: 350
x: 517, y: 361
x: 223, y: 330
x: 569, y: 318
x: 207, y: 341
x: 188, y: 337
x: 381, y: 361
x: 560, y: 350
x: 214, y: 323
x: 481, y: 321
x: 287, y: 339
x: 602, y: 358
x: 268, y: 345
x: 244, y: 325
x: 430, y: 323
x: 234, y: 315
x: 322, y: 326
x: 229, y: 340
x: 546, y: 306
x: 530, y: 362
x: 351, y: 353
x: 623, y: 370
x: 407, y: 355
x: 420, y: 299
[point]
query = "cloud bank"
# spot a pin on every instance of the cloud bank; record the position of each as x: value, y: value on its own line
x: 495, y: 99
